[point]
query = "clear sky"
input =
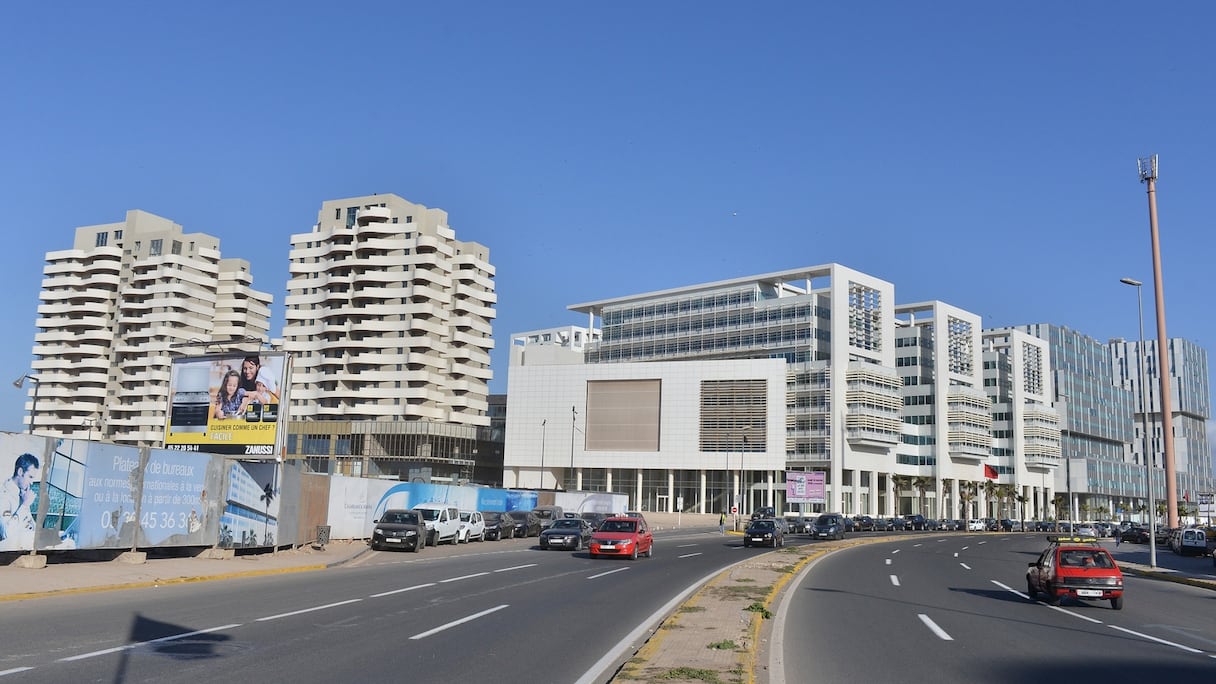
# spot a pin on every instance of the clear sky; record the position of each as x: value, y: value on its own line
x: 979, y: 153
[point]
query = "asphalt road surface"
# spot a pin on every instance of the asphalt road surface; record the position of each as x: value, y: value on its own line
x: 939, y: 608
x: 494, y: 611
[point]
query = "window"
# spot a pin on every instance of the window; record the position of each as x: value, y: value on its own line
x: 101, y: 239
x: 177, y: 247
x: 337, y: 213
x: 154, y: 249
x: 409, y: 219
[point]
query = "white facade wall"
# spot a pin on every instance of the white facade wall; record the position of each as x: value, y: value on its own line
x: 540, y: 422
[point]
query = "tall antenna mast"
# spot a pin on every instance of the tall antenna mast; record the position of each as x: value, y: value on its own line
x: 1148, y: 175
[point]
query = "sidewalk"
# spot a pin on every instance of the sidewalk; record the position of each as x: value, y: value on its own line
x: 64, y: 574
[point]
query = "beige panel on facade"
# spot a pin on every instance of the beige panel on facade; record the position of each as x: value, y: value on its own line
x: 623, y: 415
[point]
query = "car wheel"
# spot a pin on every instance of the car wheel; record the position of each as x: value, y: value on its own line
x: 1053, y: 599
x: 578, y: 544
x: 417, y: 545
x: 1030, y: 591
x: 1117, y: 603
x: 650, y: 551
x: 633, y: 555
x: 375, y: 546
x: 590, y: 555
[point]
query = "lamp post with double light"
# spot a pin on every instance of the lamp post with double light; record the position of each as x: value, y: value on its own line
x: 542, y: 453
x: 1148, y: 472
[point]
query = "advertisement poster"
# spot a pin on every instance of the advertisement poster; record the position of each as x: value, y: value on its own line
x: 21, y: 466
x: 805, y: 487
x: 176, y: 509
x: 251, y: 506
x: 225, y: 404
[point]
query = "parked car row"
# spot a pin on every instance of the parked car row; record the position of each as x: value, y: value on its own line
x: 429, y: 524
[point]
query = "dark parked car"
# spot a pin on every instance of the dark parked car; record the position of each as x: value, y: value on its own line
x: 498, y: 525
x: 897, y: 524
x: 567, y: 533
x: 399, y: 529
x: 527, y: 524
x: 764, y: 512
x: 865, y: 523
x: 1135, y: 535
x: 765, y: 532
x: 593, y: 519
x: 949, y: 525
x: 829, y: 526
x: 916, y: 521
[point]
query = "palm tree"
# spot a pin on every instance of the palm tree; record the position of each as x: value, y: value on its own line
x: 1060, y: 502
x: 922, y: 484
x: 266, y: 497
x: 1022, y: 499
x: 900, y: 483
x: 966, y: 494
x: 990, y: 488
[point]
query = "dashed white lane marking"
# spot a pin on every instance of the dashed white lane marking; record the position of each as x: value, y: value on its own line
x: 965, y: 566
x: 307, y: 610
x: 127, y: 647
x: 463, y: 577
x: 602, y: 574
x: 401, y: 591
x: 895, y: 580
x: 895, y: 551
x: 689, y: 555
x: 888, y: 561
x: 1142, y: 635
x: 941, y: 633
x: 461, y: 621
x: 684, y: 545
x: 516, y: 567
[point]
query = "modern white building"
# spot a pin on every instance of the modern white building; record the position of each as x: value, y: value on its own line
x: 114, y: 311
x: 1190, y: 403
x: 388, y: 316
x: 690, y: 397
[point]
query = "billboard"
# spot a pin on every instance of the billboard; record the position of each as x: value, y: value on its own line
x: 805, y: 487
x: 226, y: 403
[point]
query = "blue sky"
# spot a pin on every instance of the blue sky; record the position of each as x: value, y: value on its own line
x: 982, y: 154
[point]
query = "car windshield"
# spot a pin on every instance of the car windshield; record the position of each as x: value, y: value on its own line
x: 565, y: 523
x: 491, y: 517
x: 762, y: 525
x: 825, y: 520
x: 519, y: 516
x: 429, y: 513
x: 1086, y: 558
x: 399, y: 518
x: 543, y: 514
x: 465, y: 516
x: 618, y: 526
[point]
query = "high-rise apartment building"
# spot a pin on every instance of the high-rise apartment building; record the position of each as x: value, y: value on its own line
x: 388, y: 316
x: 114, y: 311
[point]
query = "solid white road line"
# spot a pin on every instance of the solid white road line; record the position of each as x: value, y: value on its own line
x: 127, y: 647
x: 1142, y: 635
x: 15, y: 670
x: 941, y: 633
x: 399, y: 591
x: 307, y: 610
x: 461, y: 621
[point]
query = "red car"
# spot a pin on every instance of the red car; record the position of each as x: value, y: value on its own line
x: 1075, y: 567
x: 622, y: 537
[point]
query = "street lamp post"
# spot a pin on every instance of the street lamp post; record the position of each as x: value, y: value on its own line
x: 19, y: 383
x: 542, y: 453
x: 1148, y: 473
x: 573, y: 417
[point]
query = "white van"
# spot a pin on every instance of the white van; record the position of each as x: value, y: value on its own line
x: 1191, y: 541
x: 442, y: 522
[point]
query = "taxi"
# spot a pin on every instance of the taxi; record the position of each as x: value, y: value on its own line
x: 1078, y: 568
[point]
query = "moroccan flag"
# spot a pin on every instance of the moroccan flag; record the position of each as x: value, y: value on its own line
x: 990, y: 472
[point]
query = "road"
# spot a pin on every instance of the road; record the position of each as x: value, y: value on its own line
x: 953, y: 608
x: 494, y: 611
